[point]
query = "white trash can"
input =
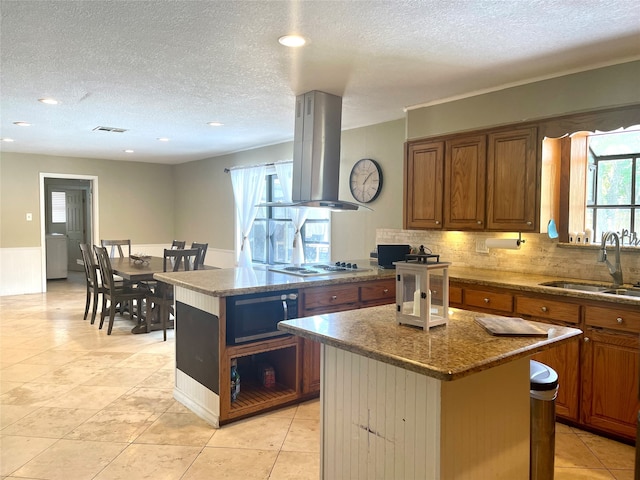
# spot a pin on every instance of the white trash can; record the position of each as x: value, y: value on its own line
x: 543, y: 392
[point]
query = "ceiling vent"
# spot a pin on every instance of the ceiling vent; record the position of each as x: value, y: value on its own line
x: 109, y: 129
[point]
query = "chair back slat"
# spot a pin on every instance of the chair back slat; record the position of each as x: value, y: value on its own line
x: 178, y: 244
x: 117, y: 245
x: 185, y: 257
x: 88, y: 260
x: 203, y: 251
x: 106, y: 272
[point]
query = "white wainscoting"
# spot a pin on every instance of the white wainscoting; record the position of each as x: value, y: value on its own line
x: 20, y: 270
x: 381, y: 421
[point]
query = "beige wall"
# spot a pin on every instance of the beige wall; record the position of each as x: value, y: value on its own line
x: 591, y: 90
x: 136, y: 200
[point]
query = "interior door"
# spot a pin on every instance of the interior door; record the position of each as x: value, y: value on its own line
x: 76, y: 214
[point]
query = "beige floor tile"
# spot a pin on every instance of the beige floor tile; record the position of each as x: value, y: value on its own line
x: 12, y: 413
x: 148, y: 399
x: 36, y: 394
x: 310, y: 409
x: 613, y: 455
x: 296, y: 466
x: 161, y: 378
x: 623, y: 474
x: 12, y: 356
x: 15, y: 451
x: 178, y: 429
x: 572, y: 452
x: 49, y: 422
x: 177, y: 407
x: 145, y: 360
x: 303, y: 436
x: 232, y: 463
x: 8, y: 386
x: 70, y: 374
x: 562, y: 428
x: 113, y: 426
x: 87, y: 396
x: 25, y: 372
x: 284, y: 412
x: 68, y: 459
x: 261, y: 433
x: 102, y: 358
x: 114, y: 376
x: 582, y: 474
x: 53, y: 357
x: 157, y: 462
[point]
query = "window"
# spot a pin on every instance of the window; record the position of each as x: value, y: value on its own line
x: 58, y: 207
x: 613, y: 185
x: 272, y: 233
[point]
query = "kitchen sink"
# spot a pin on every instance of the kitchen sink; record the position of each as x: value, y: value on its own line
x: 585, y: 287
x: 631, y: 292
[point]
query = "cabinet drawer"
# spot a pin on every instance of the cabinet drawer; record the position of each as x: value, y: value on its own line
x: 548, y: 309
x: 455, y: 295
x: 489, y: 300
x: 614, y: 319
x: 330, y: 296
x: 382, y: 291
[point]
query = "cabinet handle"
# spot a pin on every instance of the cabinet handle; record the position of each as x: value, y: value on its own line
x: 437, y: 222
x: 586, y: 339
x: 529, y: 223
x: 544, y: 309
x: 619, y: 320
x: 486, y: 300
x: 479, y: 222
x: 334, y: 297
x: 386, y: 290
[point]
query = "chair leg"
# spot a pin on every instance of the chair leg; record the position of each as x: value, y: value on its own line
x: 103, y: 310
x: 112, y: 316
x: 86, y: 305
x: 95, y: 306
x: 165, y: 318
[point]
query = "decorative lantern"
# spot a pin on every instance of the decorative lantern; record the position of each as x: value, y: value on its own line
x: 422, y: 292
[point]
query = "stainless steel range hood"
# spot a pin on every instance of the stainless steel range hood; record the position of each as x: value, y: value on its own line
x: 316, y: 152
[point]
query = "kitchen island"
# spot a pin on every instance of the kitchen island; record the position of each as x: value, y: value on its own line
x: 400, y: 402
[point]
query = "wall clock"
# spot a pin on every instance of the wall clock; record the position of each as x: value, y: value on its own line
x: 365, y: 181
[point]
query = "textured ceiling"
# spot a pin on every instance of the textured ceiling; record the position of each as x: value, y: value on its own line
x: 166, y: 68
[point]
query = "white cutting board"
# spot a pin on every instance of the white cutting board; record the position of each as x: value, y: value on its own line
x: 510, y: 326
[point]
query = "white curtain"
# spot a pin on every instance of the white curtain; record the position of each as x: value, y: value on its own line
x: 298, y: 215
x: 248, y: 186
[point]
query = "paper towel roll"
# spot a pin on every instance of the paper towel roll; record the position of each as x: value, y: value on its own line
x: 508, y: 243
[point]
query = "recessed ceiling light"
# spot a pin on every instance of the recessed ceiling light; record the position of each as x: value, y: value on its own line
x: 48, y: 101
x: 163, y: 139
x: 215, y: 124
x: 22, y: 124
x: 128, y: 151
x: 292, y: 41
x: 7, y: 139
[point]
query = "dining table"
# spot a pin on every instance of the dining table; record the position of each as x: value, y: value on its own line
x: 136, y: 270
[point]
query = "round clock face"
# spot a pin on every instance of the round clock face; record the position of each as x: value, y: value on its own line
x: 365, y: 180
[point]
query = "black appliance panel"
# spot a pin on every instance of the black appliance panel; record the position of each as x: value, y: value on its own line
x: 197, y: 346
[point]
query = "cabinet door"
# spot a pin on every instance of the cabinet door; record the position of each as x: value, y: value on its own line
x: 311, y: 367
x: 564, y: 359
x: 610, y: 382
x: 464, y: 183
x: 423, y: 177
x: 511, y: 180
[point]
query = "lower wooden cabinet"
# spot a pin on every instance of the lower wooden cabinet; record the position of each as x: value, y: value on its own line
x: 610, y: 369
x: 310, y: 366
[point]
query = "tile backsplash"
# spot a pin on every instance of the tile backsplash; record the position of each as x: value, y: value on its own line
x: 539, y: 254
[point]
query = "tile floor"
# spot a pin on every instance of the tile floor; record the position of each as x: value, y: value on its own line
x: 78, y: 404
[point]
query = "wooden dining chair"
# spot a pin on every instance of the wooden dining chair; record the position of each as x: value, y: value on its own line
x: 203, y: 251
x: 178, y: 244
x: 117, y: 294
x: 93, y: 279
x: 160, y: 301
x: 116, y: 245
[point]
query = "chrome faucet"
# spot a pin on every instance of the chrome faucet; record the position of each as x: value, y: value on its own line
x: 615, y: 271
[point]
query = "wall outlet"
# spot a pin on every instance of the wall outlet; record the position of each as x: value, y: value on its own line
x: 481, y: 246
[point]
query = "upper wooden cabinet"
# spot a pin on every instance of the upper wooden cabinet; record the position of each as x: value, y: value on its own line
x: 464, y: 183
x: 512, y: 180
x: 423, y: 180
x: 486, y: 181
